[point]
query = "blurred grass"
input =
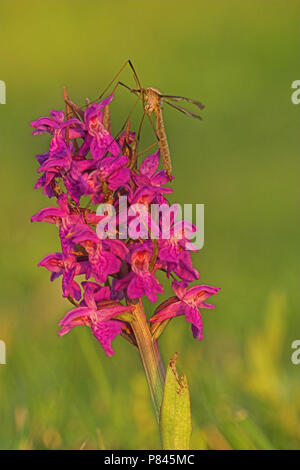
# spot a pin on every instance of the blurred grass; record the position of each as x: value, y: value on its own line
x: 242, y: 161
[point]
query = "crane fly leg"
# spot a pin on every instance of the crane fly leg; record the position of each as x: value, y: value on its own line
x: 127, y: 119
x: 136, y: 78
x: 135, y: 74
x: 127, y: 62
x: 147, y: 149
x: 114, y: 79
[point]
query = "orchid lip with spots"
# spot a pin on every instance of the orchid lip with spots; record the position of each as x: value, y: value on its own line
x: 121, y: 240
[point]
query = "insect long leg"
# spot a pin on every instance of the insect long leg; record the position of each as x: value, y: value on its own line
x: 153, y: 128
x: 135, y: 155
x: 128, y: 62
x: 113, y: 80
x: 78, y: 111
x: 128, y: 117
x: 140, y: 127
x: 148, y: 148
x: 135, y: 74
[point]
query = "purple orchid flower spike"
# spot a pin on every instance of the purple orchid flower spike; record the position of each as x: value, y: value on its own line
x: 109, y: 263
x: 187, y: 302
x: 100, y: 317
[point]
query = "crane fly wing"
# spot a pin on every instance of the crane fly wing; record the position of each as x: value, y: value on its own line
x: 182, y: 110
x: 188, y: 100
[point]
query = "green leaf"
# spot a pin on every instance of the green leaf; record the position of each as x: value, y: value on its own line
x: 126, y: 316
x: 175, y: 415
x: 158, y: 328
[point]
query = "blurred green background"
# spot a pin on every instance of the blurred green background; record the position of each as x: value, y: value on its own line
x: 242, y: 162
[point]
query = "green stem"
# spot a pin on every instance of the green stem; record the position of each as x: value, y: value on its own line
x: 150, y: 356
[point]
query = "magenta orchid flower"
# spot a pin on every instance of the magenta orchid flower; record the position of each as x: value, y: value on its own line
x: 187, y: 302
x: 68, y: 268
x: 56, y: 122
x: 104, y: 255
x: 173, y: 254
x: 140, y: 281
x: 112, y: 173
x: 99, y: 316
x: 101, y: 141
x: 149, y: 177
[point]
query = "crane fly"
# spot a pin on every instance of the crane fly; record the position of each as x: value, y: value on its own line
x: 152, y: 103
x: 153, y: 100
